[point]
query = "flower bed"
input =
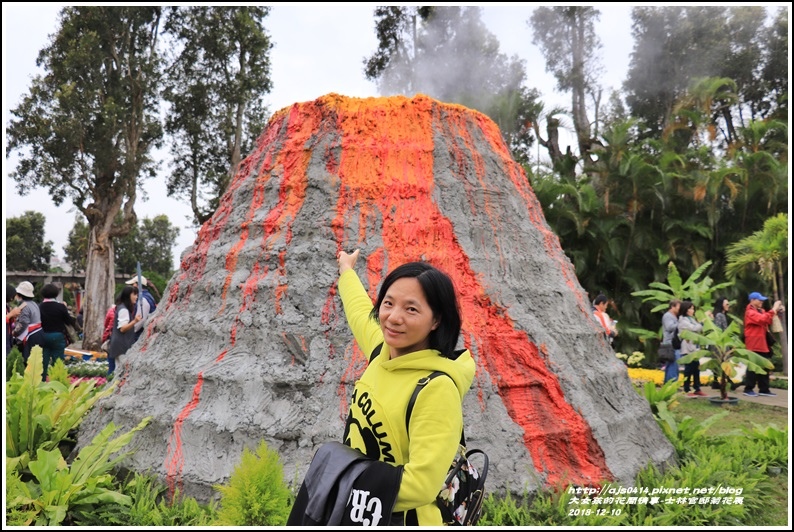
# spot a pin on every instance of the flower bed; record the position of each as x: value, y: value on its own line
x: 641, y: 375
x: 98, y: 381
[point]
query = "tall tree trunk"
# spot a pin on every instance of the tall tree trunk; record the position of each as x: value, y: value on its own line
x: 579, y: 88
x: 780, y: 287
x: 100, y: 286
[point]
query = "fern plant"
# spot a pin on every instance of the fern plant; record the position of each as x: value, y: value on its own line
x: 256, y: 494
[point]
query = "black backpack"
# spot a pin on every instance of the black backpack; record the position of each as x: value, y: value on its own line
x: 462, y: 494
x: 676, y: 340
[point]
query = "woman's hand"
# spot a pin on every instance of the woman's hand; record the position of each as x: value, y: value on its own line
x: 347, y: 261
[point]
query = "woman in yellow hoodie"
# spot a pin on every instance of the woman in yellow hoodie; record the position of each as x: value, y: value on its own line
x: 416, y: 318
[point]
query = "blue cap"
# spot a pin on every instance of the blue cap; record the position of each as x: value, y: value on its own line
x: 757, y: 295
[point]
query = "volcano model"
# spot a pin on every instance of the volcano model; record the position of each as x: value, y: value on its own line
x: 250, y: 341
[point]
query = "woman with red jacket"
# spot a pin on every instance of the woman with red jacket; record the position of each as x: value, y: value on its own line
x: 756, y: 323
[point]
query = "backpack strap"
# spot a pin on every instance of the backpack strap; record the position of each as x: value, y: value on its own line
x: 375, y: 352
x: 419, y: 386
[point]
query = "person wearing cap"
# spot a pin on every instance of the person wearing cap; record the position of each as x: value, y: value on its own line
x: 148, y: 304
x: 756, y: 323
x: 27, y: 329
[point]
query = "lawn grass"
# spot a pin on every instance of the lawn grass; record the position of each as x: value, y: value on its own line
x: 743, y: 415
x: 746, y: 415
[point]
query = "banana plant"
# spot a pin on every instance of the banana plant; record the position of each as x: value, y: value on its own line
x: 723, y: 351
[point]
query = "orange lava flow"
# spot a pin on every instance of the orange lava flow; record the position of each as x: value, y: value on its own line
x: 292, y: 161
x: 386, y: 171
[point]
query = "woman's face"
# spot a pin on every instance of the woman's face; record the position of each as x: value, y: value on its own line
x: 690, y: 311
x: 726, y: 305
x: 134, y: 298
x: 406, y: 318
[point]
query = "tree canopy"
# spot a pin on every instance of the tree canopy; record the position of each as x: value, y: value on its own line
x: 215, y: 85
x: 26, y: 249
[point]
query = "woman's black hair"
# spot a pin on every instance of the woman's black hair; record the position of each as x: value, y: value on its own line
x: 600, y: 298
x: 440, y: 294
x: 125, y: 298
x: 718, y: 306
x: 10, y: 293
x: 50, y: 291
x: 685, y: 305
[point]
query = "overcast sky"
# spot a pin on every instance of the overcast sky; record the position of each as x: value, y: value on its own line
x: 318, y: 49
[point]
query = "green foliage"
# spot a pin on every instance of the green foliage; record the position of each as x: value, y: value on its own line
x: 215, y: 91
x: 76, y: 249
x: 58, y: 490
x: 769, y: 446
x: 256, y: 494
x: 39, y: 415
x: 686, y: 432
x: 149, y: 506
x: 15, y: 363
x: 699, y: 291
x: 661, y: 397
x: 728, y: 466
x: 149, y: 242
x: 58, y: 373
x: 25, y: 247
x: 504, y: 511
x: 765, y: 250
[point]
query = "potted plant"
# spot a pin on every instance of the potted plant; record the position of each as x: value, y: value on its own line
x: 722, y: 352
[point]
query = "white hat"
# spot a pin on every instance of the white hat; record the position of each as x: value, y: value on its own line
x: 134, y: 280
x: 25, y: 289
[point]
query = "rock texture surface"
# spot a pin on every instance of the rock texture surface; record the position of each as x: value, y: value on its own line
x: 250, y: 341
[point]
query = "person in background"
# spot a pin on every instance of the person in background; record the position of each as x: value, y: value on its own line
x: 27, y: 329
x: 55, y: 316
x: 669, y: 327
x: 720, y: 312
x: 10, y: 293
x: 126, y: 319
x: 148, y: 304
x: 107, y: 330
x: 600, y: 313
x: 687, y: 322
x: 756, y: 323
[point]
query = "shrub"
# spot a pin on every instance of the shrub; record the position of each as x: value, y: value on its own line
x: 256, y: 494
x: 15, y: 364
x: 40, y: 415
x: 57, y: 492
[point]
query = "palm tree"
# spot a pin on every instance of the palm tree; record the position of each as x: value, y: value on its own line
x: 766, y: 250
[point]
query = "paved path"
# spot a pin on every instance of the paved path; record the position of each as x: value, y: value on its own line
x: 782, y: 399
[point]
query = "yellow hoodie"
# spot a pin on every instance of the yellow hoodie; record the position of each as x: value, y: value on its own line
x: 376, y: 420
